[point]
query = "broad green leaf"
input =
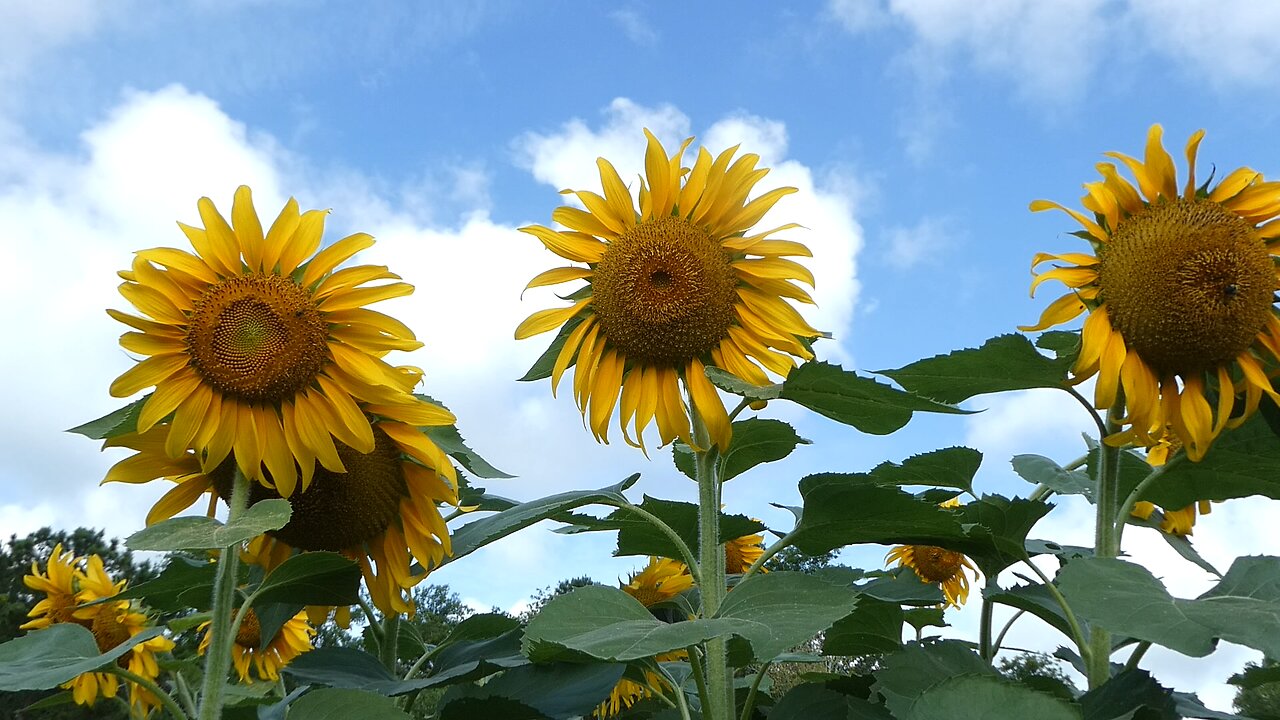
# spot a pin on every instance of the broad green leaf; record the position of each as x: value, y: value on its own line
x: 1189, y: 706
x: 1064, y: 344
x: 560, y: 691
x: 471, y: 708
x: 1243, y: 608
x: 780, y: 610
x: 1003, y: 363
x: 1180, y: 544
x: 184, y: 583
x: 813, y: 701
x: 906, y: 674
x: 924, y: 617
x: 970, y: 697
x: 480, y: 532
x: 113, y: 424
x: 902, y: 586
x: 1242, y: 462
x: 873, y: 628
x: 735, y: 385
x: 952, y: 467
x: 312, y: 578
x: 846, y: 397
x: 637, y: 536
x: 448, y: 439
x: 757, y: 441
x: 546, y: 362
x: 44, y: 659
x: 205, y: 533
x: 346, y: 668
x: 605, y: 623
x: 997, y: 529
x: 57, y: 699
x: 1037, y: 600
x: 469, y: 659
x: 343, y: 704
x: 1048, y: 547
x: 1125, y: 694
x: 271, y: 617
x: 1040, y: 470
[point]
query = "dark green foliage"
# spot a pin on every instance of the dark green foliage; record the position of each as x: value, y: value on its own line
x: 1260, y: 701
x: 796, y: 560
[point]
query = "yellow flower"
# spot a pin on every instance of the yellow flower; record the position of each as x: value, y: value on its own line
x: 1179, y: 291
x: 111, y: 623
x: 740, y: 553
x: 381, y: 512
x: 939, y: 566
x: 1176, y: 522
x: 291, y: 640
x: 255, y: 344
x: 671, y: 289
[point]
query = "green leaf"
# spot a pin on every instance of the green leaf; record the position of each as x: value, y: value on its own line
x: 952, y: 467
x: 470, y: 708
x: 1040, y: 470
x: 271, y: 617
x: 908, y: 673
x: 560, y: 691
x: 970, y: 697
x: 1037, y: 600
x: 1242, y: 462
x: 780, y: 610
x: 468, y: 660
x: 312, y: 578
x: 478, y: 533
x: 1190, y: 706
x: 113, y: 424
x: 813, y: 701
x: 1003, y: 363
x: 735, y: 385
x: 1124, y: 695
x: 205, y: 533
x: 605, y: 623
x: 1133, y: 468
x: 336, y: 704
x: 923, y: 617
x: 844, y: 396
x: 184, y: 583
x: 57, y: 699
x: 757, y: 441
x: 44, y: 659
x: 546, y: 362
x: 873, y: 628
x: 901, y: 586
x: 1243, y: 608
x: 637, y: 536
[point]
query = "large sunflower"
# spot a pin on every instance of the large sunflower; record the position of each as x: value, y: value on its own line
x: 111, y: 623
x: 381, y: 512
x: 1179, y: 291
x: 291, y: 640
x: 671, y: 289
x: 255, y: 344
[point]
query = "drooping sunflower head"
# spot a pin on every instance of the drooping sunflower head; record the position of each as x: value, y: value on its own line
x: 1179, y: 289
x: 740, y: 553
x: 255, y: 343
x: 674, y: 284
x: 1174, y: 522
x: 659, y: 581
x: 936, y: 565
x: 266, y: 659
x: 382, y: 511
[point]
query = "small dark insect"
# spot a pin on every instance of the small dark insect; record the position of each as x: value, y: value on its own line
x: 1231, y: 290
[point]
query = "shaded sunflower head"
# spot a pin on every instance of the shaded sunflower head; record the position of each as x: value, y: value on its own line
x: 938, y: 566
x: 1174, y: 522
x: 659, y: 581
x: 382, y: 511
x: 740, y: 553
x: 85, y: 581
x: 256, y: 344
x: 266, y: 659
x: 1179, y: 289
x: 673, y: 285
x: 628, y: 692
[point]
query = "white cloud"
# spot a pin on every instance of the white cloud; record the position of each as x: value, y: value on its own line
x: 635, y: 26
x: 1224, y: 42
x: 908, y: 247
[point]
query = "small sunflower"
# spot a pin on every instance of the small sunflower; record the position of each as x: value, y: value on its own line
x: 936, y: 565
x: 1176, y: 522
x: 110, y: 622
x: 740, y: 553
x: 671, y: 289
x: 381, y: 512
x: 256, y: 344
x: 1179, y: 291
x: 291, y: 640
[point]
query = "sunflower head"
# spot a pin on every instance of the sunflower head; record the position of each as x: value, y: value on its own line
x: 675, y: 283
x: 936, y: 565
x: 740, y: 553
x: 252, y: 657
x: 1179, y: 288
x: 659, y: 581
x: 60, y: 583
x: 256, y: 344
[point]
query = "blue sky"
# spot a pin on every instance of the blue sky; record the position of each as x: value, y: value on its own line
x: 917, y: 133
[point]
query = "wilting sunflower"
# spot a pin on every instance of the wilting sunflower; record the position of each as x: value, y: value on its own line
x: 255, y: 344
x: 740, y: 553
x: 1179, y: 291
x: 936, y: 565
x: 110, y: 622
x: 291, y: 640
x: 381, y: 512
x: 1176, y: 522
x: 671, y: 289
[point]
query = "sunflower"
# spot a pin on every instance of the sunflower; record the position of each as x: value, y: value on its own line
x: 1179, y: 291
x: 1176, y: 522
x: 291, y: 640
x: 671, y: 289
x: 936, y: 565
x: 110, y: 622
x: 381, y: 512
x: 255, y: 344
x: 740, y: 553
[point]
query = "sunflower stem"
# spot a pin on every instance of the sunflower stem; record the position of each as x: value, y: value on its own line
x: 222, y: 633
x: 388, y: 649
x: 672, y: 535
x: 719, y: 703
x: 1106, y: 539
x: 695, y: 665
x: 984, y: 625
x: 165, y: 699
x: 1136, y: 657
x: 999, y: 642
x: 749, y: 704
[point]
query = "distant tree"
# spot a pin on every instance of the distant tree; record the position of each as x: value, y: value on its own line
x: 793, y: 559
x: 1261, y: 702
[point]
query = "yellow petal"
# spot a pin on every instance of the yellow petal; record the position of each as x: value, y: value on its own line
x: 582, y: 221
x: 575, y: 246
x: 1064, y: 309
x: 179, y: 498
x: 168, y: 395
x: 276, y: 455
x: 1109, y: 365
x: 1160, y: 165
x: 706, y: 400
x: 1193, y: 145
x: 248, y: 229
x: 616, y: 194
x: 569, y: 351
x: 417, y: 414
x: 334, y: 255
x: 304, y: 241
x: 152, y: 302
x: 281, y: 230
x: 606, y: 386
x: 360, y: 297
x: 1232, y: 184
x: 180, y: 260
x: 1197, y: 418
x: 545, y: 320
x: 222, y: 240
x: 187, y: 420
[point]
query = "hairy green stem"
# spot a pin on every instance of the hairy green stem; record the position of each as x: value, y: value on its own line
x: 389, y: 649
x: 672, y: 535
x: 165, y: 699
x: 984, y: 625
x: 1076, y: 633
x: 1106, y: 539
x: 222, y: 634
x: 719, y: 705
x: 1136, y: 657
x: 749, y: 704
x: 995, y: 648
x: 1126, y: 507
x: 699, y: 679
x: 769, y: 552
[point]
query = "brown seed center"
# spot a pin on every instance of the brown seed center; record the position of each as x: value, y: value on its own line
x: 1188, y: 284
x: 258, y: 338
x: 250, y: 633
x: 936, y: 564
x: 664, y: 292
